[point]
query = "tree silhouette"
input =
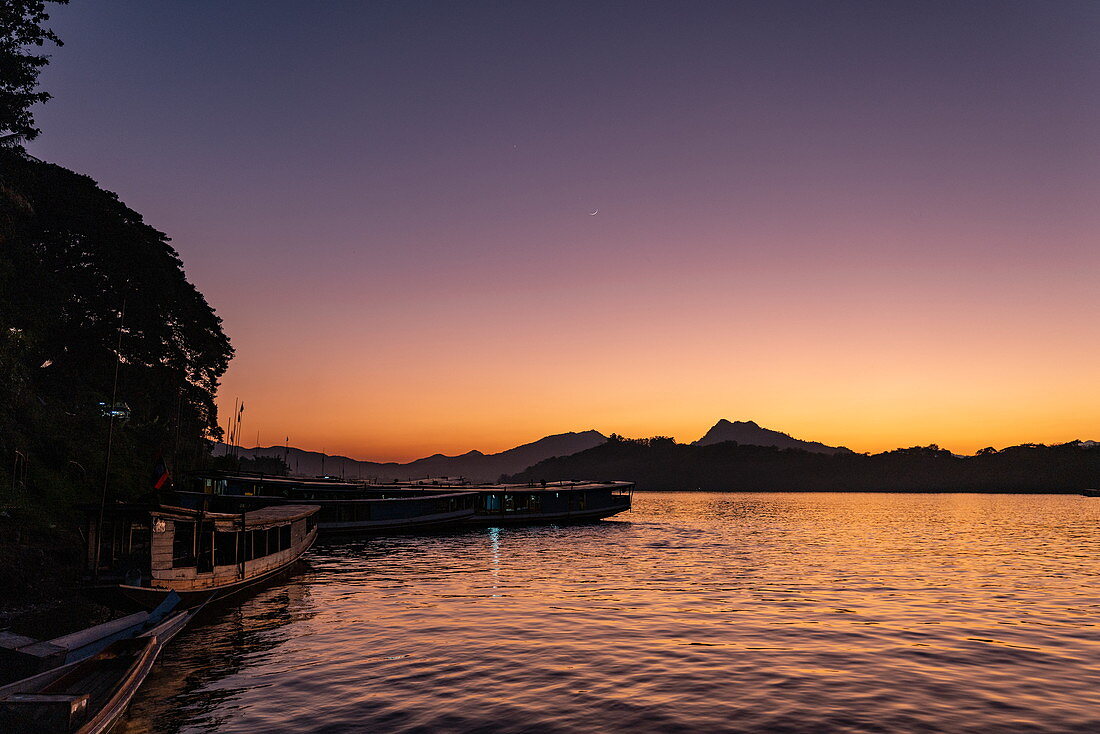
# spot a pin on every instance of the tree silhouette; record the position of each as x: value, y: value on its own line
x: 77, y: 265
x: 21, y: 28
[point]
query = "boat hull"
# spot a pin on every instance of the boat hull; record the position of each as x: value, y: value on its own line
x: 83, y: 678
x: 145, y: 597
x: 542, y: 518
x: 397, y: 526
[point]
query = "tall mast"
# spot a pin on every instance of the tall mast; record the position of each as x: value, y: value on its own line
x: 110, y: 440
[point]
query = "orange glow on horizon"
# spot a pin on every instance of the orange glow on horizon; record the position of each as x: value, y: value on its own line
x: 873, y: 369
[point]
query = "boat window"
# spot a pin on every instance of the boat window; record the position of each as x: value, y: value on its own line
x: 138, y: 539
x: 311, y: 522
x: 284, y: 537
x: 225, y: 549
x: 259, y: 543
x: 204, y: 544
x: 183, y: 544
x: 246, y: 546
x: 509, y: 503
x: 492, y: 502
x: 272, y: 540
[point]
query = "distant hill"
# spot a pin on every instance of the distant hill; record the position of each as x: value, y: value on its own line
x: 473, y: 465
x: 663, y: 464
x: 750, y: 434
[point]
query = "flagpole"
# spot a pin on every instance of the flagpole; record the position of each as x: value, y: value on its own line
x: 176, y: 444
x: 110, y: 440
x: 229, y: 433
x: 238, y: 439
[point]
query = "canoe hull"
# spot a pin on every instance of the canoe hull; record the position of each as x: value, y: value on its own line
x: 21, y: 706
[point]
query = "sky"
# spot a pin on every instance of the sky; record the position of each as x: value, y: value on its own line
x: 435, y: 227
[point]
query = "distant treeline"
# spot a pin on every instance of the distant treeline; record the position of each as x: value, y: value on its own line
x: 662, y: 464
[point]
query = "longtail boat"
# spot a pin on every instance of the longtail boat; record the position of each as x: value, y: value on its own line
x: 411, y: 505
x: 143, y: 553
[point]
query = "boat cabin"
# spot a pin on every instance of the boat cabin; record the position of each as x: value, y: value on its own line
x: 162, y: 549
x: 557, y: 501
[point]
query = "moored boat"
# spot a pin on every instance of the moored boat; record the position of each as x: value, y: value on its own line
x: 412, y: 505
x: 90, y: 695
x: 143, y: 553
x: 22, y: 656
x: 344, y: 507
x: 555, y: 502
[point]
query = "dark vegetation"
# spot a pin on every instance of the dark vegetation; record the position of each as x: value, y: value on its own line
x: 101, y: 336
x: 22, y: 35
x: 661, y: 463
x: 273, y: 465
x: 88, y: 287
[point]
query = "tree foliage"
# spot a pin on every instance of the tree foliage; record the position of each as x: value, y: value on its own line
x: 21, y: 31
x: 83, y: 279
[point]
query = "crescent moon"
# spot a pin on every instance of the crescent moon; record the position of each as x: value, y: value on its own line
x: 592, y: 214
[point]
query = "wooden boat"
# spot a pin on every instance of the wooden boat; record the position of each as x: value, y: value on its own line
x: 526, y: 504
x: 413, y: 505
x: 90, y: 695
x: 22, y: 656
x: 142, y: 553
x: 346, y: 507
x: 555, y: 502
x: 356, y: 513
x: 1091, y: 492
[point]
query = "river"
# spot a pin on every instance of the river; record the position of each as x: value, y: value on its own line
x: 695, y: 612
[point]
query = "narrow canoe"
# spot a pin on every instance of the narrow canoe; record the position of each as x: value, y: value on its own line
x: 90, y: 695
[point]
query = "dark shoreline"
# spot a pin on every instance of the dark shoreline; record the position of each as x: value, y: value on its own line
x: 40, y: 593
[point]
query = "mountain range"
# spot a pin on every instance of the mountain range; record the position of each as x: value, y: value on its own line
x: 480, y: 467
x: 473, y: 465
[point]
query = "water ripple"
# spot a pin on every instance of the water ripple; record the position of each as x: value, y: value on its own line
x: 696, y: 612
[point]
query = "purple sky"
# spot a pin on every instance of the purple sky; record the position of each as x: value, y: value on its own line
x: 869, y: 223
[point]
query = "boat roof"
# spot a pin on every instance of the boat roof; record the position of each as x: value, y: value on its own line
x: 278, y: 515
x: 255, y: 519
x: 562, y: 486
x: 278, y: 480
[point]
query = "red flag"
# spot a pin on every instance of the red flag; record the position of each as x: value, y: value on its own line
x: 160, y: 473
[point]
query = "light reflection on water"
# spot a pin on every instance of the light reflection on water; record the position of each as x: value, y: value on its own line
x: 694, y: 612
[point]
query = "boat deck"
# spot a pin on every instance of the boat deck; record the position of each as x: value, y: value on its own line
x: 276, y: 515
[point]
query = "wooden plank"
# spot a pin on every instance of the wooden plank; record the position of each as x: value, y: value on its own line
x: 83, y: 637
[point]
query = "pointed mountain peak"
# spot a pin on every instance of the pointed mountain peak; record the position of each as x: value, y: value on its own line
x: 751, y: 434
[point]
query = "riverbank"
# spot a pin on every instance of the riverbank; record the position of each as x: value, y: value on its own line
x: 40, y: 579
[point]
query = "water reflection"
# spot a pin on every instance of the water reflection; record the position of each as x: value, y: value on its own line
x: 195, y: 683
x: 696, y: 612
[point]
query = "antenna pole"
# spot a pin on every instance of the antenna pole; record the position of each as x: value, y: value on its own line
x: 110, y: 440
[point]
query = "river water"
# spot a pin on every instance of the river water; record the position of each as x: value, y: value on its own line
x: 698, y: 612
